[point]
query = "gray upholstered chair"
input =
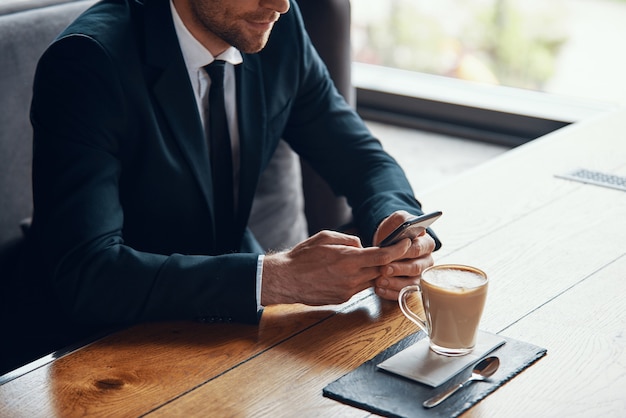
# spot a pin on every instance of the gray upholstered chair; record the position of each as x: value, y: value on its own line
x: 310, y: 207
x: 26, y: 28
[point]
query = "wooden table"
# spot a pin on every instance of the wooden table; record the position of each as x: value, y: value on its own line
x: 555, y: 251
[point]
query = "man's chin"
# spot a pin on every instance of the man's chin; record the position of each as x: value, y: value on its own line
x: 252, y: 47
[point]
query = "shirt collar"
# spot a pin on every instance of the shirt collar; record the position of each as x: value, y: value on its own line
x: 194, y: 53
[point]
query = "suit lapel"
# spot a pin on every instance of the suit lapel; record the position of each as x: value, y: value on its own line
x: 252, y: 131
x: 174, y: 95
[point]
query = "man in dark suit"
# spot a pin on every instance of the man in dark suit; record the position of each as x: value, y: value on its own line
x: 124, y: 223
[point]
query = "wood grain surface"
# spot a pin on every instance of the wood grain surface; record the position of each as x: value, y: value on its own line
x: 555, y: 253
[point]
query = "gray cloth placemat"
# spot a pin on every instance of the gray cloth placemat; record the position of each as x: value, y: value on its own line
x: 387, y: 394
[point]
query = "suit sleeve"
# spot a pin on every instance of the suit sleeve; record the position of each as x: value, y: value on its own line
x: 81, y: 120
x: 328, y: 133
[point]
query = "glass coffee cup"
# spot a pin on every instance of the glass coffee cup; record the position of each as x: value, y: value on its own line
x: 453, y: 297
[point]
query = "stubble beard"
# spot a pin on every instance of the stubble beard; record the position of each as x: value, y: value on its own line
x: 249, y: 44
x: 236, y: 33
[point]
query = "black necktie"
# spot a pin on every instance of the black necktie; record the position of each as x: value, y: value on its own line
x: 221, y: 158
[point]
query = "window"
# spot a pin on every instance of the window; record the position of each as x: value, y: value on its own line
x: 546, y: 62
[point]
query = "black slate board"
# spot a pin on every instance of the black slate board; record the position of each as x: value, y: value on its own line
x: 387, y: 394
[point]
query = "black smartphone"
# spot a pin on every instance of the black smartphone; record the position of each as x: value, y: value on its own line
x: 411, y: 228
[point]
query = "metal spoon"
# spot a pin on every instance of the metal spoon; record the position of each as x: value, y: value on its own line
x: 482, y: 370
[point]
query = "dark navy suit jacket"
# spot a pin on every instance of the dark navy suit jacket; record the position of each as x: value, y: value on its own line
x: 123, y: 223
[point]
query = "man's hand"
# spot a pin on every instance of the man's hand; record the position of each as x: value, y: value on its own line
x: 329, y: 268
x: 407, y: 270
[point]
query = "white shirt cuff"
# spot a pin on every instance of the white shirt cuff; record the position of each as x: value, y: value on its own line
x: 259, y: 281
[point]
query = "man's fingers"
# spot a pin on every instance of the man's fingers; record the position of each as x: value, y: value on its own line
x: 407, y: 268
x: 327, y: 237
x: 421, y: 246
x: 377, y: 256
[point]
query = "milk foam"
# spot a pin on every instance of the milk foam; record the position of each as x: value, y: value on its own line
x: 454, y: 279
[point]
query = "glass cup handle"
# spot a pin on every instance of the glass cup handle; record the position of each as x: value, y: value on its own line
x: 402, y: 300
